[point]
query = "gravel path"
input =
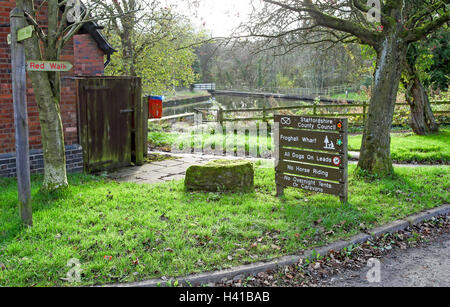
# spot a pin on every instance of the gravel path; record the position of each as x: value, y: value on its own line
x: 425, y: 266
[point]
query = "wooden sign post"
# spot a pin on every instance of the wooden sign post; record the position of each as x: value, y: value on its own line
x: 312, y: 154
x: 19, y: 87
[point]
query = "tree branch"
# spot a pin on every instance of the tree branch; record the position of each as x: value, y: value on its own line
x: 322, y: 19
x: 421, y: 32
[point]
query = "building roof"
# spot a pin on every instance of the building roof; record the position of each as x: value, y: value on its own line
x: 93, y: 29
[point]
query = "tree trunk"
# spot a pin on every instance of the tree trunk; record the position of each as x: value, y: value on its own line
x: 128, y: 60
x: 46, y: 90
x: 421, y: 120
x: 375, y: 157
x: 55, y: 175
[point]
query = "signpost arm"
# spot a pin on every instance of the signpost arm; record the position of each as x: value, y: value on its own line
x: 21, y: 117
x: 344, y: 165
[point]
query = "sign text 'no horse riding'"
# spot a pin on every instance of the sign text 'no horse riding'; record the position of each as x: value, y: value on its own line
x: 312, y: 154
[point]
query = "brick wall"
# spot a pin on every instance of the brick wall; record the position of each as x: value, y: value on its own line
x: 6, y: 106
x: 82, y: 51
x: 88, y: 58
x: 74, y: 161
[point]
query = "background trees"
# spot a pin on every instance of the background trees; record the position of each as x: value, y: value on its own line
x: 47, y: 46
x: 153, y: 41
x: 245, y: 65
x: 397, y: 25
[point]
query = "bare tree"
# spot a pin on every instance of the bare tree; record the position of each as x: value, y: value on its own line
x: 147, y: 23
x: 389, y: 30
x: 47, y: 46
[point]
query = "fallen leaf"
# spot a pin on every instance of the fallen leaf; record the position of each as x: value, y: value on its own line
x: 318, y: 221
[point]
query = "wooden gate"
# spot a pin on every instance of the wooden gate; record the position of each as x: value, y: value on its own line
x: 112, y: 122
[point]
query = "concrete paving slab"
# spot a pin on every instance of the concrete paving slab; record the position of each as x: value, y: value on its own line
x: 168, y: 163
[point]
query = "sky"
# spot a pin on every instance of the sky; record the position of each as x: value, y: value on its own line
x: 219, y: 17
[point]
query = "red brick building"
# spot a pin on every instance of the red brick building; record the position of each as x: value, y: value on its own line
x: 89, y: 53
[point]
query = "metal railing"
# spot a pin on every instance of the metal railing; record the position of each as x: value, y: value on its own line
x: 204, y: 86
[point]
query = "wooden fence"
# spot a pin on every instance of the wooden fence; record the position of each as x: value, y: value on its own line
x: 221, y: 113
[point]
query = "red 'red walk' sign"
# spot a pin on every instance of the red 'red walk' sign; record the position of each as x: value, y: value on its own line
x: 48, y: 66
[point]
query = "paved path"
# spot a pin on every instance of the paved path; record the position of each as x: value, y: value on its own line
x: 175, y: 169
x: 158, y: 171
x: 425, y: 266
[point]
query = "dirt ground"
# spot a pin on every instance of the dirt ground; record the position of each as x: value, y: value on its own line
x: 424, y: 266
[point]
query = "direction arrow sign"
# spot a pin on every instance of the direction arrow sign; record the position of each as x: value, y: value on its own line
x: 310, y: 184
x: 48, y: 66
x: 25, y: 33
x: 309, y: 170
x: 310, y: 157
x: 325, y: 141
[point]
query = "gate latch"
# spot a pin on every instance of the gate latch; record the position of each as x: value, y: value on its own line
x: 126, y: 111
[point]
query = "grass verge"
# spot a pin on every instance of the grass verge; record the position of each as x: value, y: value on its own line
x: 405, y: 147
x: 409, y: 147
x: 124, y: 232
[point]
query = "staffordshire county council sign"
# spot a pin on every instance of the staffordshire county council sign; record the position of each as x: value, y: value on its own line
x: 312, y: 154
x: 48, y: 66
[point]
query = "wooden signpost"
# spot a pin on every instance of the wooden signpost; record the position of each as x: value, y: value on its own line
x: 20, y: 115
x: 312, y: 154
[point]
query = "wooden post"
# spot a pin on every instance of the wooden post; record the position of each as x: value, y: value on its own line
x: 264, y: 114
x: 220, y: 115
x: 344, y: 165
x: 280, y: 191
x: 140, y: 122
x: 364, y: 111
x: 19, y: 84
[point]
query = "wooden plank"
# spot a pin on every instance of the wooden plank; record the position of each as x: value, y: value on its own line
x: 171, y: 117
x: 325, y: 141
x: 310, y: 157
x: 309, y: 123
x: 309, y: 184
x: 140, y: 122
x: 302, y: 169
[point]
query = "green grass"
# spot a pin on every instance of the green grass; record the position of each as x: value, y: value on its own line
x: 185, y: 94
x: 158, y: 137
x: 352, y: 96
x: 407, y: 147
x: 124, y: 232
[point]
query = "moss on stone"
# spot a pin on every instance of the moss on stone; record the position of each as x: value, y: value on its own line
x: 220, y: 175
